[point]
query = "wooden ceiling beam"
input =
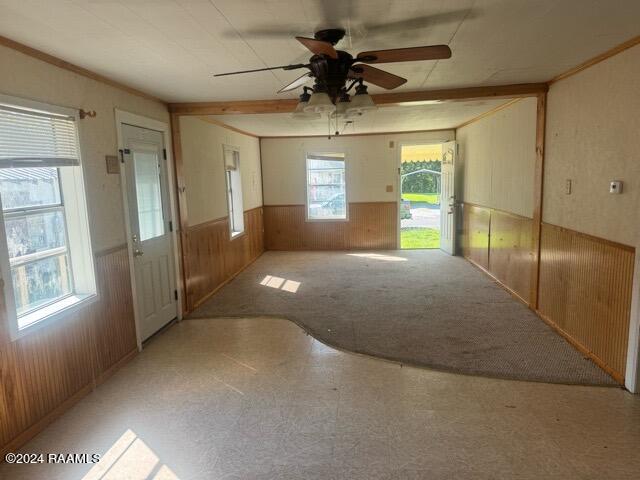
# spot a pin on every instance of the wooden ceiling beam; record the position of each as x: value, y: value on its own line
x: 383, y: 99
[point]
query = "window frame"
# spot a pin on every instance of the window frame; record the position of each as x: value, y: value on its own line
x: 71, y: 180
x: 306, y: 185
x: 228, y: 180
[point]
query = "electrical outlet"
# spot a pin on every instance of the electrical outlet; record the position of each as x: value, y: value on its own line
x: 615, y: 186
x: 389, y: 188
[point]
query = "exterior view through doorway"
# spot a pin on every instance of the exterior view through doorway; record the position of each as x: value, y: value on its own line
x: 420, y: 192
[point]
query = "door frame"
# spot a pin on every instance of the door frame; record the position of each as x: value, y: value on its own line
x: 399, y: 186
x: 127, y: 118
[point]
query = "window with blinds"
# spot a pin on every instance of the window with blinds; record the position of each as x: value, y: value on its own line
x: 50, y: 269
x: 30, y: 138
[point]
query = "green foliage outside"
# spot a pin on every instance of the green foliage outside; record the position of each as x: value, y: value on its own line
x: 420, y: 238
x: 421, y: 182
x: 431, y: 198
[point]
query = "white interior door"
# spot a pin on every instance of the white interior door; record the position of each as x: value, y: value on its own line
x: 448, y: 200
x: 145, y: 169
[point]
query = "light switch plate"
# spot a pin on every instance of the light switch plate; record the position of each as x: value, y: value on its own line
x: 113, y: 165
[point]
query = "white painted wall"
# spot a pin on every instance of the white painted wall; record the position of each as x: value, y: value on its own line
x: 371, y: 164
x: 24, y: 76
x: 593, y: 137
x: 497, y: 158
x: 203, y: 168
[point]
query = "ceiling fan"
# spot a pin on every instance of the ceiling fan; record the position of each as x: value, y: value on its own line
x: 332, y: 69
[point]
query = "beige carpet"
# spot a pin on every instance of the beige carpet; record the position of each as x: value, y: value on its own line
x: 420, y: 307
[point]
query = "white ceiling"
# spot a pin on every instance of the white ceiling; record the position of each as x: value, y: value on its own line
x: 385, y: 119
x: 171, y: 48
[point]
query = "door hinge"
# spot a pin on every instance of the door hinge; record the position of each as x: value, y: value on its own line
x: 175, y: 294
x: 164, y: 153
x: 121, y: 155
x: 170, y: 226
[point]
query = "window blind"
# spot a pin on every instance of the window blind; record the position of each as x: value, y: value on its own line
x: 30, y: 138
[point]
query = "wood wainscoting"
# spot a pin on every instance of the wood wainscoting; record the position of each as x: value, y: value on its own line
x: 501, y: 244
x: 212, y: 258
x: 45, y: 372
x: 371, y: 225
x: 584, y: 284
x: 585, y: 293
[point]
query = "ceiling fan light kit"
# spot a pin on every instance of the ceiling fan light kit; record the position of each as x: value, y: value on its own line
x: 361, y: 102
x: 299, y: 113
x: 319, y: 103
x: 333, y: 69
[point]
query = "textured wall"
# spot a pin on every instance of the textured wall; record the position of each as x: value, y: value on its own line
x: 371, y: 164
x: 203, y: 169
x: 45, y: 371
x: 497, y: 158
x: 593, y: 136
x: 26, y: 77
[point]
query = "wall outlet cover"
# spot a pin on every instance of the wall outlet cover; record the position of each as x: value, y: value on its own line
x: 615, y: 186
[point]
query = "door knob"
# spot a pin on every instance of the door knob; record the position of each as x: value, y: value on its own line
x: 138, y: 253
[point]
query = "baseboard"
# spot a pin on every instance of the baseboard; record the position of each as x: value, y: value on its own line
x: 104, y: 376
x: 15, y: 444
x: 227, y: 280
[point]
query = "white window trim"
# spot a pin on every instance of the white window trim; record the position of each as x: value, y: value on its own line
x: 306, y: 186
x: 66, y: 306
x: 233, y: 234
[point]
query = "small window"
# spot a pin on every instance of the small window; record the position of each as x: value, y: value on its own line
x: 234, y: 191
x: 46, y: 249
x: 326, y: 187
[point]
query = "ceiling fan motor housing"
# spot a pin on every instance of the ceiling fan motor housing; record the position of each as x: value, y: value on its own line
x: 331, y: 74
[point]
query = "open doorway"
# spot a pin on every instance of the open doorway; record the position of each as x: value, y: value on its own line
x: 420, y: 188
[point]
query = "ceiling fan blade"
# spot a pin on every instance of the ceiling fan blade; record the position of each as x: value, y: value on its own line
x: 318, y: 46
x: 283, y: 67
x: 376, y: 76
x: 423, y: 22
x: 298, y: 82
x: 411, y: 54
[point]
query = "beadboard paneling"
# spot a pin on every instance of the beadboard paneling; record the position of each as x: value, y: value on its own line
x: 585, y: 291
x: 371, y: 225
x: 475, y: 234
x: 47, y: 370
x: 510, y: 251
x: 213, y: 257
x: 501, y: 244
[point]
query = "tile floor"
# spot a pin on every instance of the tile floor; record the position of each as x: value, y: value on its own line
x: 259, y: 399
